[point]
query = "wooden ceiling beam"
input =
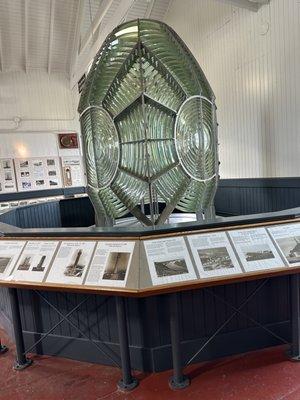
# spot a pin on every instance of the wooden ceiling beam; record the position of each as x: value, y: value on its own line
x: 50, y: 42
x: 76, y: 39
x: 26, y: 6
x: 1, y: 55
x: 252, y: 5
x: 149, y: 8
x: 104, y: 7
x: 114, y: 21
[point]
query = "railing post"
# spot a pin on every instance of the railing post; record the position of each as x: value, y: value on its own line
x: 178, y: 380
x: 21, y: 360
x: 128, y: 382
x: 295, y: 316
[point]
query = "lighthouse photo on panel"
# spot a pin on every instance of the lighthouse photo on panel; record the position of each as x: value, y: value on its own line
x: 290, y: 246
x: 116, y: 265
x: 171, y: 267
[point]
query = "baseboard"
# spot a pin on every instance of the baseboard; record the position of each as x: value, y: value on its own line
x: 160, y: 358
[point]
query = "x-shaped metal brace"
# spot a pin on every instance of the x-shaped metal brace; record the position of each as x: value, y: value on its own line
x: 127, y: 382
x: 237, y: 310
x: 108, y: 353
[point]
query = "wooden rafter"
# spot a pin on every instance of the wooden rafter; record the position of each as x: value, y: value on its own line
x: 252, y: 5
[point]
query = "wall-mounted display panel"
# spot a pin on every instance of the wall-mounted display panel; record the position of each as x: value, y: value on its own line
x: 53, y: 172
x: 287, y: 238
x: 255, y: 249
x: 35, y: 260
x: 10, y: 251
x: 38, y: 173
x: 214, y: 255
x: 169, y: 261
x: 111, y: 263
x: 72, y: 170
x: 71, y: 262
x: 7, y: 176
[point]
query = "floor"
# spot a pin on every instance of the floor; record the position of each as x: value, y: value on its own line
x: 260, y: 375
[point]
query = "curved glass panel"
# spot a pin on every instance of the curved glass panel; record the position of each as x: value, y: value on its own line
x: 149, y: 126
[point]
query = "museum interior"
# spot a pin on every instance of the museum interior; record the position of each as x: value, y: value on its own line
x: 150, y: 199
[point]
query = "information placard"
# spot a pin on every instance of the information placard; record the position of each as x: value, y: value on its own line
x: 72, y: 171
x: 71, y: 262
x: 214, y: 255
x: 169, y: 261
x: 9, y: 253
x: 287, y: 238
x: 7, y: 176
x: 256, y: 249
x: 111, y: 263
x: 35, y: 260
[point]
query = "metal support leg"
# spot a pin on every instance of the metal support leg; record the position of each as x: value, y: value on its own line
x: 295, y: 317
x: 128, y: 382
x: 21, y: 361
x: 178, y: 380
x: 3, y: 349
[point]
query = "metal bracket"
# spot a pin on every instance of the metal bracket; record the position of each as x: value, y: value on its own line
x: 292, y: 357
x: 176, y: 384
x: 127, y: 387
x: 20, y: 366
x: 3, y: 349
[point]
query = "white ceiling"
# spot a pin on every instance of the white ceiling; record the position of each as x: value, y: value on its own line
x: 64, y: 35
x: 49, y: 34
x: 36, y: 34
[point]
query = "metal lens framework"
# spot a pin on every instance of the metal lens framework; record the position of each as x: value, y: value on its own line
x: 148, y: 120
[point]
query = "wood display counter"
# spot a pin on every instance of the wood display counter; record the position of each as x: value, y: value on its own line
x: 152, y: 279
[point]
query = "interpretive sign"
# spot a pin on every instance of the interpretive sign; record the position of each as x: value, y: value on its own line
x: 169, y: 260
x: 214, y: 255
x: 71, y: 262
x: 110, y: 264
x: 287, y: 238
x: 255, y: 249
x: 35, y: 260
x: 10, y: 251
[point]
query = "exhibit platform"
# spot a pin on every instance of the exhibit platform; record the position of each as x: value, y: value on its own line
x: 149, y: 299
x: 219, y: 312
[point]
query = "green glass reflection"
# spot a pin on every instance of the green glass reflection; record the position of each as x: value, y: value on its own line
x: 149, y: 127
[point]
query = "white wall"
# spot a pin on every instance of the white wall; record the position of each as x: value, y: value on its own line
x: 252, y: 61
x: 45, y: 105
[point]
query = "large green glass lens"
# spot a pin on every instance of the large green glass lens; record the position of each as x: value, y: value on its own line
x: 149, y: 127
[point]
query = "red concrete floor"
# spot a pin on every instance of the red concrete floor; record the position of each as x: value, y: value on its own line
x: 260, y: 375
